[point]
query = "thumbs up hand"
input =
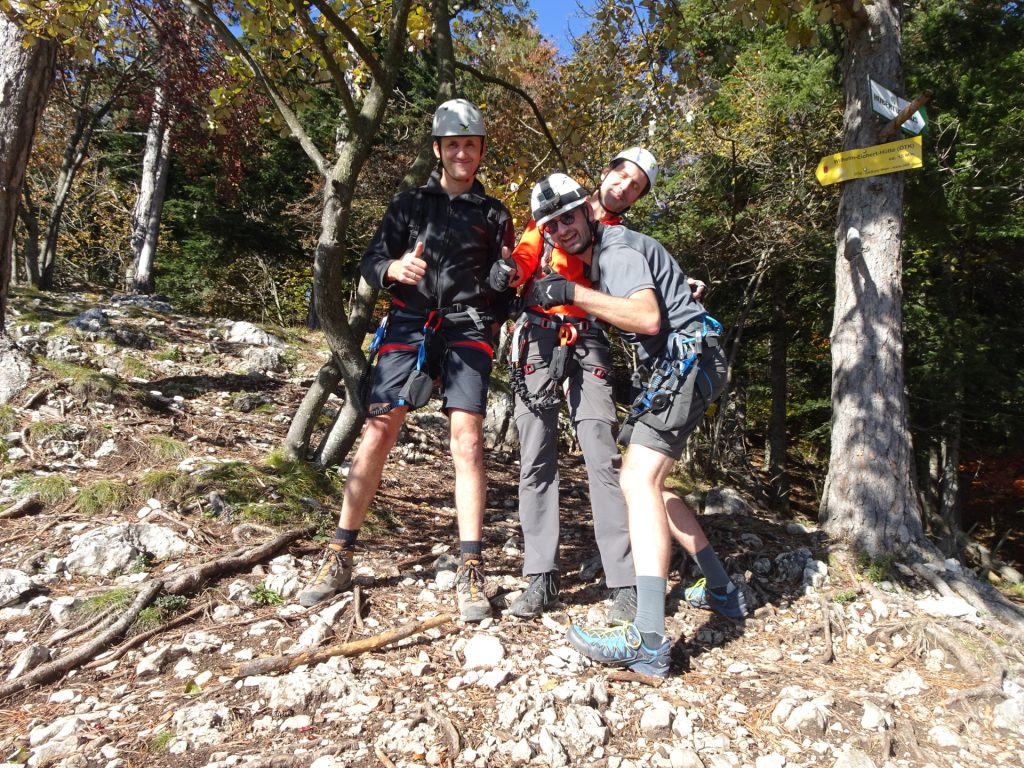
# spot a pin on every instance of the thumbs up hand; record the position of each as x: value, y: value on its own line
x: 503, y: 272
x: 409, y: 269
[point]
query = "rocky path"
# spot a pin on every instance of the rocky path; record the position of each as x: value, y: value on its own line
x: 832, y: 669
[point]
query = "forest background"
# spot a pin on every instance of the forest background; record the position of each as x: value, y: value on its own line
x: 194, y: 150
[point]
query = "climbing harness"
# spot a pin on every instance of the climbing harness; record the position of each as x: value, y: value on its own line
x: 659, y: 403
x: 417, y: 388
x: 569, y: 330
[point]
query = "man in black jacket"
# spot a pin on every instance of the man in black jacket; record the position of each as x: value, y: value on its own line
x: 433, y: 251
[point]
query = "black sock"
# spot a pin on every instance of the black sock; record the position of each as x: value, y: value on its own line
x: 471, y: 550
x: 345, y: 537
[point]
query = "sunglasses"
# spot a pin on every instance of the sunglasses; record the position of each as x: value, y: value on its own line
x: 567, y: 219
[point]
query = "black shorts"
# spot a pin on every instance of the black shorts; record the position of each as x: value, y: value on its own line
x: 459, y: 359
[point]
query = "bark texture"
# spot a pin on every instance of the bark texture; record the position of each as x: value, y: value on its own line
x: 150, y: 204
x: 26, y: 75
x: 869, y: 499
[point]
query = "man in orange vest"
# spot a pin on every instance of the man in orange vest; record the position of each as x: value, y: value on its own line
x: 566, y: 344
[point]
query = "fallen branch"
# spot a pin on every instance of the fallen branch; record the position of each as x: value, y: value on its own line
x: 193, y: 578
x: 274, y: 664
x: 55, y: 670
x: 451, y: 733
x: 828, y: 654
x: 386, y: 761
x: 142, y: 637
x: 625, y: 676
x: 26, y: 505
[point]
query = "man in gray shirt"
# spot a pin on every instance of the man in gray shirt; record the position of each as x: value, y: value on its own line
x: 642, y: 290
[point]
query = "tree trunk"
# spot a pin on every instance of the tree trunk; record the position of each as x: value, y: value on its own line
x: 150, y: 204
x: 775, y: 458
x: 345, y: 332
x: 26, y: 75
x: 869, y: 499
x: 29, y: 216
x: 75, y: 151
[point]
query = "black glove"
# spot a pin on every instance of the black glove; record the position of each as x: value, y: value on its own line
x: 501, y: 273
x: 553, y: 291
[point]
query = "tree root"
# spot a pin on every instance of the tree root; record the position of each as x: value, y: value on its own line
x: 27, y: 505
x: 194, y: 578
x: 625, y: 676
x: 142, y: 637
x: 89, y: 624
x: 55, y: 670
x: 982, y: 598
x: 451, y: 734
x: 273, y: 664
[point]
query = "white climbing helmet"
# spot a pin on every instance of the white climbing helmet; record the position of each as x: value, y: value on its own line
x: 643, y: 159
x: 554, y: 195
x: 458, y: 117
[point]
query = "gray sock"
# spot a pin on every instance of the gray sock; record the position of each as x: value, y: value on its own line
x: 711, y: 567
x: 650, y: 604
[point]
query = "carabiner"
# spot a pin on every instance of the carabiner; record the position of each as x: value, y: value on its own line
x: 567, y: 335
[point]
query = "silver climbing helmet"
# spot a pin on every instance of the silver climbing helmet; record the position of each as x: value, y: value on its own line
x: 458, y: 117
x: 554, y: 195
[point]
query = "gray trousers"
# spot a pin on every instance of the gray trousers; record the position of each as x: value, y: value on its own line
x: 592, y: 412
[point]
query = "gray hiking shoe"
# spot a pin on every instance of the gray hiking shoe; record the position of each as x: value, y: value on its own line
x: 538, y: 597
x: 623, y: 609
x: 333, y: 576
x: 469, y: 592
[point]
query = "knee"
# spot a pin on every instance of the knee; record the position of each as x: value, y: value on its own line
x: 467, y: 446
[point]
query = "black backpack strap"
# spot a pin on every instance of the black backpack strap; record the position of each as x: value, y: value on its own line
x: 416, y: 218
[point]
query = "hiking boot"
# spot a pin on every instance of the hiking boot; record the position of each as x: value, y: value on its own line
x: 333, y: 576
x: 469, y: 592
x: 623, y: 609
x: 622, y: 646
x: 538, y: 597
x: 731, y: 604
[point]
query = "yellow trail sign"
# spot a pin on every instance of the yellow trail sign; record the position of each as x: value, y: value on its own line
x: 871, y: 161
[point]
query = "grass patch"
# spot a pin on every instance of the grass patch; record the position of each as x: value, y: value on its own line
x: 89, y: 383
x: 171, y: 354
x: 103, y: 496
x: 161, y: 741
x: 846, y: 596
x: 116, y: 599
x: 164, y: 448
x: 1018, y: 590
x: 134, y: 367
x: 8, y: 419
x: 167, y: 484
x: 41, y: 431
x: 50, y: 489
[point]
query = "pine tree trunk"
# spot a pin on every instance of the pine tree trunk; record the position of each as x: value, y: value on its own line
x: 26, y: 75
x: 775, y: 459
x: 150, y: 203
x: 869, y: 499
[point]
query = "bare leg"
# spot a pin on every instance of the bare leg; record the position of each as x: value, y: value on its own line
x: 379, y: 436
x: 467, y: 447
x: 682, y: 522
x: 642, y: 479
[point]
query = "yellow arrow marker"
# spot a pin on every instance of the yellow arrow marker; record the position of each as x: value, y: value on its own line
x: 871, y: 161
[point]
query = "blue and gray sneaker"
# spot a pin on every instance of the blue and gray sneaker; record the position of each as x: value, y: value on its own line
x: 732, y: 604
x: 621, y: 646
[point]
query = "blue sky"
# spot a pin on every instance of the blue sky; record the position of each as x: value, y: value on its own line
x: 556, y: 17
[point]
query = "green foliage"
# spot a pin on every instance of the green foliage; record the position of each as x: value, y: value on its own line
x: 89, y: 383
x: 171, y: 354
x: 162, y: 609
x: 103, y: 496
x: 844, y: 597
x: 263, y: 596
x: 50, y: 489
x: 166, y: 484
x: 135, y: 368
x: 876, y: 569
